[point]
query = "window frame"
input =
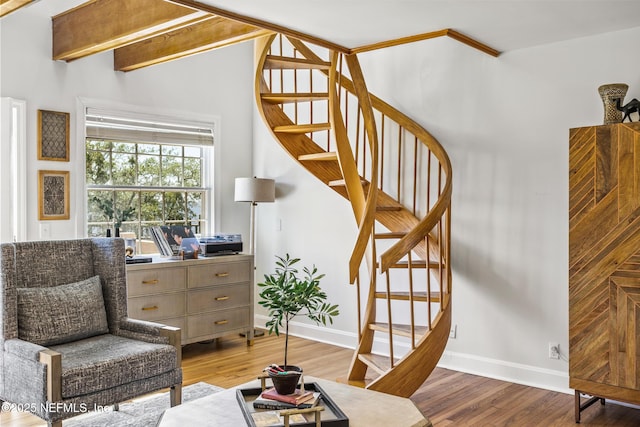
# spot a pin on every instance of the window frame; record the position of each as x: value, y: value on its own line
x: 210, y: 159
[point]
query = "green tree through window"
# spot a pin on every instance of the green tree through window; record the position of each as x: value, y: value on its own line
x: 134, y: 186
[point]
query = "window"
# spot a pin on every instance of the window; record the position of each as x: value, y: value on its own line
x: 142, y: 173
x: 13, y: 205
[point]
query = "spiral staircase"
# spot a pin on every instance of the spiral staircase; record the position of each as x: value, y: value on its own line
x: 397, y: 178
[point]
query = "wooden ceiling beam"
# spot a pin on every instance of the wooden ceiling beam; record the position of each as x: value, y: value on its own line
x: 100, y: 25
x: 212, y: 33
x: 8, y: 6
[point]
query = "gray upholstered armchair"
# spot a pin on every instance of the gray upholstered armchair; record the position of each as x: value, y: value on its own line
x: 66, y: 343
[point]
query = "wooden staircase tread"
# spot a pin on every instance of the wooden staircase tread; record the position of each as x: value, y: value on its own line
x: 420, y: 296
x: 281, y: 98
x: 302, y: 128
x: 388, y: 208
x: 380, y: 364
x: 416, y: 263
x: 275, y: 62
x: 323, y: 157
x: 399, y: 329
x: 342, y: 183
x: 356, y: 383
x: 391, y: 235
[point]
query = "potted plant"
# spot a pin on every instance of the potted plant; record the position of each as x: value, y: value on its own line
x: 287, y: 294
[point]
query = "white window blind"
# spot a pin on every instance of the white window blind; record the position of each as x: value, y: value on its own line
x: 119, y: 126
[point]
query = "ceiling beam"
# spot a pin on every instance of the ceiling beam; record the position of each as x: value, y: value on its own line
x: 262, y: 24
x: 8, y: 6
x: 100, y: 25
x: 212, y: 33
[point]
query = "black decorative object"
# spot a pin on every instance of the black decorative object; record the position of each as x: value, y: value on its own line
x: 627, y: 109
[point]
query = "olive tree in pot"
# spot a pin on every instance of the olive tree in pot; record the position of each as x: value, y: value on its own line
x: 287, y: 294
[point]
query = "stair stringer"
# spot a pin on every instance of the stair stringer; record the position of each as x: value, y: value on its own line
x: 414, y: 368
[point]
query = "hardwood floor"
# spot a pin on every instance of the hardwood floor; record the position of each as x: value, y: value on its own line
x: 447, y: 398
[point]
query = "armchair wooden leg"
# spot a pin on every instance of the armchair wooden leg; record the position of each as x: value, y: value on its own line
x: 53, y: 360
x: 175, y: 338
x: 175, y: 394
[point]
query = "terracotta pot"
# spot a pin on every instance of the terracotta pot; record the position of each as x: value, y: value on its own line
x: 609, y: 94
x: 286, y: 382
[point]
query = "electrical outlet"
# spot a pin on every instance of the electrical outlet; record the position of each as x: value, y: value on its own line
x: 45, y: 230
x: 554, y: 350
x: 452, y: 332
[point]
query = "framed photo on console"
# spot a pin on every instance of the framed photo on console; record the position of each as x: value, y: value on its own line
x: 53, y: 195
x: 53, y: 136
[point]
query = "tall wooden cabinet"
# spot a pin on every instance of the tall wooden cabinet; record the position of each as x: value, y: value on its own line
x: 604, y: 263
x: 206, y: 297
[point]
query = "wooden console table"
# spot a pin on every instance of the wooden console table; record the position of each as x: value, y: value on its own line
x: 206, y: 297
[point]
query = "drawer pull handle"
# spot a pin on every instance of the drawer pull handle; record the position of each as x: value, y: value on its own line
x: 153, y: 307
x: 221, y: 298
x: 222, y: 274
x: 150, y: 282
x: 221, y: 322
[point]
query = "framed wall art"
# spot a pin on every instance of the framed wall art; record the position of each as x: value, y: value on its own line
x: 53, y: 136
x: 53, y: 195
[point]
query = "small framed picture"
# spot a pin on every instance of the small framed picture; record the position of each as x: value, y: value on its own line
x: 53, y: 195
x: 53, y: 136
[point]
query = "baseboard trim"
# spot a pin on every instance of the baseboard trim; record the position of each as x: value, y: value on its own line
x: 528, y: 375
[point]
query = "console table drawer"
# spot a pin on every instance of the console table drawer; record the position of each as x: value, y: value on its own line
x: 219, y: 274
x: 155, y: 307
x: 220, y: 321
x: 218, y: 298
x: 144, y: 282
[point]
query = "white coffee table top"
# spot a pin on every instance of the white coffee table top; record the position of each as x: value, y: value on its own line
x: 364, y: 408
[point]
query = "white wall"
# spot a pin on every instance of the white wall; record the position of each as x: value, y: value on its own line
x: 218, y: 83
x: 505, y: 124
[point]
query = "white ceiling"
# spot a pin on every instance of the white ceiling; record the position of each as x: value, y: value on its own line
x: 502, y: 24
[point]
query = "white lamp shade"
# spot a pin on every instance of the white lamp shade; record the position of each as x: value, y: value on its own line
x: 255, y: 190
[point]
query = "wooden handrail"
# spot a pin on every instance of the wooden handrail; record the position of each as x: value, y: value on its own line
x: 365, y: 230
x: 345, y: 155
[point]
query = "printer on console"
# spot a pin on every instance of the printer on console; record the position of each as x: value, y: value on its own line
x: 220, y: 244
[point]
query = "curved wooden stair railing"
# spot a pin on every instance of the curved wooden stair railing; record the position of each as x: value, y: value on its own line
x: 326, y: 119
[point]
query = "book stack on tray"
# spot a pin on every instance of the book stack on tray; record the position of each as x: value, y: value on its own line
x: 271, y: 399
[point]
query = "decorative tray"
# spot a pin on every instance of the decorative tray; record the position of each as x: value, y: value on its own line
x: 331, y: 416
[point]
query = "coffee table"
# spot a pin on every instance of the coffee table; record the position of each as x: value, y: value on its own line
x: 364, y: 408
